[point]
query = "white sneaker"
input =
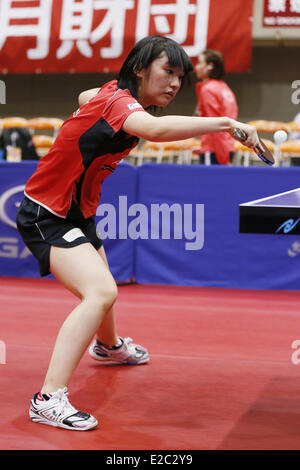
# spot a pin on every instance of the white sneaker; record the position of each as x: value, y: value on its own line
x: 128, y: 353
x: 56, y: 410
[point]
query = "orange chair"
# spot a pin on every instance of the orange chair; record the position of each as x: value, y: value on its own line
x: 135, y: 156
x: 184, y: 150
x: 180, y: 151
x: 294, y: 126
x: 269, y: 127
x: 243, y: 152
x: 45, y: 123
x: 42, y: 143
x: 9, y: 122
x: 288, y: 150
x: 150, y: 152
x: 294, y: 130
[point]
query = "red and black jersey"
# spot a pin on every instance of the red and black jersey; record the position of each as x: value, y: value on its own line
x: 87, y: 149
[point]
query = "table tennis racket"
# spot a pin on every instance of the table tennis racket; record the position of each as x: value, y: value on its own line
x: 265, y: 155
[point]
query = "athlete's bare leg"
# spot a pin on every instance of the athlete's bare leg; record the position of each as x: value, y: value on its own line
x: 81, y: 270
x: 107, y: 333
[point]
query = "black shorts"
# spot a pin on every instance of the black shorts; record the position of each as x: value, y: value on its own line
x: 40, y: 229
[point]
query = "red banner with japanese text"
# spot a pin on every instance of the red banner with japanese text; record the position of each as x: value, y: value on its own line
x: 60, y: 36
x: 281, y: 13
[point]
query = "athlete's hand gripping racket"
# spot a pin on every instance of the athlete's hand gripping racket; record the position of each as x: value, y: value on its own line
x: 265, y: 155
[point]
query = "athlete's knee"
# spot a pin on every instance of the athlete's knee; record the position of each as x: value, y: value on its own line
x: 110, y: 295
x: 102, y: 296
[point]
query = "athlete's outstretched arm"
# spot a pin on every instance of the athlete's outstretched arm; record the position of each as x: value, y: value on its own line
x: 169, y: 128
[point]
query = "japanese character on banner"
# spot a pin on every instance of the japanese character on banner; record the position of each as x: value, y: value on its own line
x: 277, y: 6
x: 182, y: 10
x: 76, y: 26
x: 295, y: 6
x: 76, y: 23
x: 40, y: 27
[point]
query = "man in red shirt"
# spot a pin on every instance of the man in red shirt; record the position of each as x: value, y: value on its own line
x: 215, y: 98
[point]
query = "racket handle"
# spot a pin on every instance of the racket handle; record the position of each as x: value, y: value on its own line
x: 242, y: 136
x: 239, y: 134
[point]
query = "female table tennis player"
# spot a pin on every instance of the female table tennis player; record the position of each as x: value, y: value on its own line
x: 56, y: 217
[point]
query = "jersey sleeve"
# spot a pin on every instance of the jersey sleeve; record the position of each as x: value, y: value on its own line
x: 119, y: 108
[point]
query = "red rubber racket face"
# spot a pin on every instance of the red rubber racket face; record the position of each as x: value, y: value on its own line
x: 263, y: 153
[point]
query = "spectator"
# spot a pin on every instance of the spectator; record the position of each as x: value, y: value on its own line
x: 215, y: 99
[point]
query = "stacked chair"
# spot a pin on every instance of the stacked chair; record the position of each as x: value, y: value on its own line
x: 43, y: 130
x: 283, y: 153
x: 181, y: 151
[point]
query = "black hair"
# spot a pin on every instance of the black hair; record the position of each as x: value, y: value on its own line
x: 144, y: 53
x: 217, y: 60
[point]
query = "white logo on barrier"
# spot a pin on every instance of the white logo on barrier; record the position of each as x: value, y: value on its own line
x: 294, y: 249
x: 160, y: 218
x: 4, y: 198
x: 9, y: 246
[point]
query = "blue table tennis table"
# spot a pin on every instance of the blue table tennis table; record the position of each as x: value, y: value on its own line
x: 278, y: 214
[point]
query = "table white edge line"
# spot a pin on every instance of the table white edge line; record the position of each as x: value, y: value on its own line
x: 270, y: 197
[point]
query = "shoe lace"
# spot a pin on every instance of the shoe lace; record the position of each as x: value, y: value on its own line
x: 127, y: 340
x: 64, y: 406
